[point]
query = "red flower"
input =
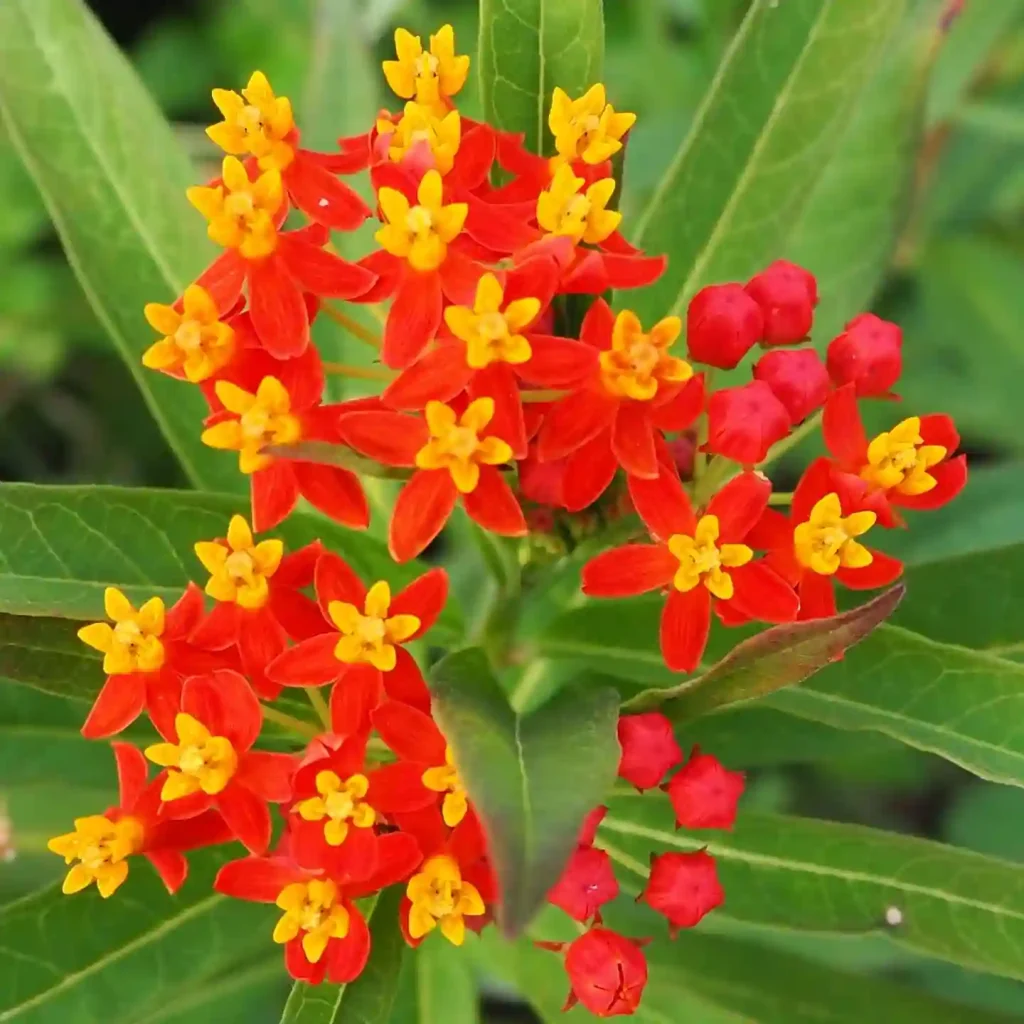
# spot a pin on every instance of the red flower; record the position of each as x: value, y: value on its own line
x: 588, y: 833
x: 649, y: 749
x: 616, y: 417
x: 259, y: 600
x: 361, y: 649
x: 424, y: 775
x: 210, y: 761
x: 260, y: 125
x: 492, y: 348
x: 277, y: 266
x: 684, y: 887
x: 723, y: 323
x: 744, y: 422
x: 587, y: 883
x: 607, y: 972
x: 909, y: 465
x: 704, y: 793
x: 818, y: 541
x: 702, y: 561
x: 419, y: 263
x: 454, y: 456
x: 787, y: 295
x: 869, y: 355
x: 322, y: 930
x: 102, y: 843
x: 146, y: 657
x: 272, y: 402
x: 455, y: 883
x: 798, y: 379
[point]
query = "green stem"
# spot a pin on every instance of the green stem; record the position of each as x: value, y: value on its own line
x: 378, y: 373
x: 290, y: 722
x: 781, y: 498
x: 542, y: 395
x: 316, y: 698
x: 354, y: 327
x: 778, y: 450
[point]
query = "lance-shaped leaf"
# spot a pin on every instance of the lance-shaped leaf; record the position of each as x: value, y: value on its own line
x: 822, y: 876
x: 62, y: 546
x: 533, y: 779
x: 86, y: 960
x: 779, y: 657
x: 760, y: 142
x: 370, y: 997
x: 113, y: 178
x: 527, y: 47
x: 437, y: 987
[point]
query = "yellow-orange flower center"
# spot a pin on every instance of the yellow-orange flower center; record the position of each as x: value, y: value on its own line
x: 195, y: 341
x: 240, y: 569
x: 256, y: 122
x: 637, y: 362
x: 899, y: 460
x: 563, y: 209
x: 827, y: 541
x: 132, y: 643
x: 419, y: 125
x: 492, y: 333
x: 339, y: 806
x: 102, y: 848
x: 703, y: 560
x: 198, y: 762
x: 430, y: 77
x: 315, y: 910
x: 587, y: 128
x: 240, y: 212
x: 441, y: 897
x: 259, y: 421
x: 456, y: 445
x: 371, y: 635
x: 445, y: 779
x: 421, y: 233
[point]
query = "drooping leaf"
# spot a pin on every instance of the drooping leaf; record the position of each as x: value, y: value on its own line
x: 113, y: 177
x: 84, y: 960
x: 527, y: 47
x: 760, y: 142
x: 532, y: 780
x: 437, y: 987
x: 770, y: 661
x: 823, y: 876
x: 849, y: 226
x: 369, y: 998
x: 64, y: 545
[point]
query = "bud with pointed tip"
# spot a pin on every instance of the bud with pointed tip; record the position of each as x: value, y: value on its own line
x: 798, y: 379
x: 744, y: 422
x: 723, y: 323
x: 649, y: 749
x: 683, y: 887
x: 787, y: 295
x: 607, y: 973
x: 868, y: 354
x: 587, y: 884
x: 704, y: 793
x: 588, y: 831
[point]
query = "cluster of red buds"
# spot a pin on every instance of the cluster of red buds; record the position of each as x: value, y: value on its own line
x: 478, y: 382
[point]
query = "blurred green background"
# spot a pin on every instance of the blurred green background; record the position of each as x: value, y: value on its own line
x: 69, y: 411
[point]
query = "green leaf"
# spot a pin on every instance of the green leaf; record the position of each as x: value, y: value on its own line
x: 369, y: 998
x: 533, y: 779
x: 822, y: 876
x: 849, y: 226
x: 112, y: 176
x: 437, y: 986
x: 779, y: 657
x: 527, y: 47
x: 83, y: 960
x: 64, y: 545
x: 760, y: 142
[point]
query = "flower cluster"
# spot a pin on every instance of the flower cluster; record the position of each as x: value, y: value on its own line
x: 496, y: 391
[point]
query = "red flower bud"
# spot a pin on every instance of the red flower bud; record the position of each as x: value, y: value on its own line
x: 607, y: 973
x: 587, y: 883
x: 704, y: 793
x: 649, y: 749
x: 744, y: 422
x: 588, y: 833
x: 868, y: 354
x: 787, y: 295
x: 798, y: 379
x: 683, y: 887
x: 683, y: 449
x: 723, y: 323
